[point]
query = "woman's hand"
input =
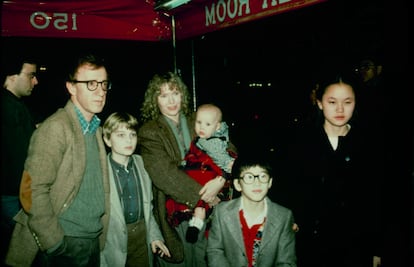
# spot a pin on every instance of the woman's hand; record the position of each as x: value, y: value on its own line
x: 210, y: 190
x: 214, y: 202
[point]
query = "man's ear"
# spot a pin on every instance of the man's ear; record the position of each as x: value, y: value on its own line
x: 8, y: 79
x: 71, y: 88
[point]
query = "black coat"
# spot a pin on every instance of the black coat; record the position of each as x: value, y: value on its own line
x: 17, y: 126
x: 334, y: 195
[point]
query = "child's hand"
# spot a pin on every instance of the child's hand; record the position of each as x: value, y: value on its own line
x: 295, y: 228
x: 158, y: 247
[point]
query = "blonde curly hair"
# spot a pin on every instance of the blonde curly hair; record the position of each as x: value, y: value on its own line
x: 150, y: 109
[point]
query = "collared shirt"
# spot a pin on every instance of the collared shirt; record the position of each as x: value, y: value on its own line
x: 252, y: 228
x: 129, y: 190
x: 88, y: 127
x: 181, y: 133
x: 257, y: 219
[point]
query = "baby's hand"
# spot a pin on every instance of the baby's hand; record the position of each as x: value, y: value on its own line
x: 200, y: 213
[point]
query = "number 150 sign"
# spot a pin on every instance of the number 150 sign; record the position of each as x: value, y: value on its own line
x: 61, y: 21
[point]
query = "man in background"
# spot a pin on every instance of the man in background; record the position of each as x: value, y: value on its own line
x: 19, y: 77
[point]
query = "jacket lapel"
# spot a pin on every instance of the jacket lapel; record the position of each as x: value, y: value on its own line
x: 234, y: 225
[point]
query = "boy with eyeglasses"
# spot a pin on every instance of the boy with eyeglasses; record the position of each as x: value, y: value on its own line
x: 251, y: 230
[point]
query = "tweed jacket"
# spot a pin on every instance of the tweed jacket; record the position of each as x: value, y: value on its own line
x: 162, y: 158
x: 225, y: 245
x: 52, y: 177
x: 116, y: 247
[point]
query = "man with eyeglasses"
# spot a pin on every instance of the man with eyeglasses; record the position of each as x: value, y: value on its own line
x: 17, y: 125
x: 65, y: 185
x: 251, y: 230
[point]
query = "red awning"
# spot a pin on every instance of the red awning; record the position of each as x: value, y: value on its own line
x: 101, y: 19
x: 132, y: 19
x: 210, y: 16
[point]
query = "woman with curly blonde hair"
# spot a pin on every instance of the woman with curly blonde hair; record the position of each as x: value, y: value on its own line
x: 164, y: 140
x: 149, y: 109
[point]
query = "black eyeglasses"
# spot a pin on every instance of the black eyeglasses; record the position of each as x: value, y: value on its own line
x: 248, y: 178
x: 93, y: 84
